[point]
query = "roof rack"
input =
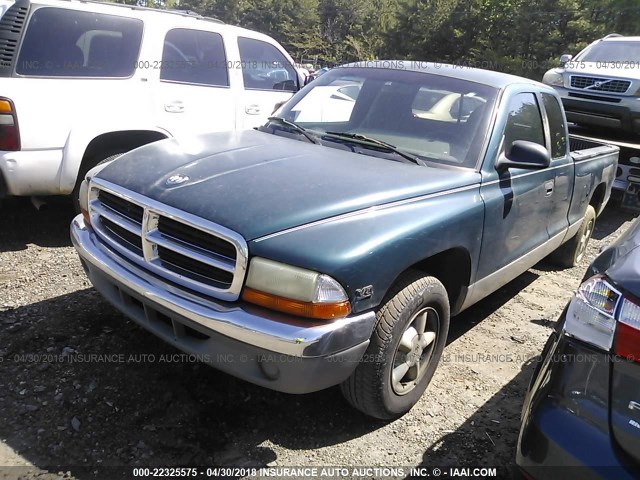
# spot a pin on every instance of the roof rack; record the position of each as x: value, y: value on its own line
x: 612, y: 35
x: 182, y: 13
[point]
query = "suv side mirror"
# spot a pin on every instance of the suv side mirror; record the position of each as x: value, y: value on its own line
x: 287, y: 85
x: 566, y: 58
x: 524, y: 154
x: 277, y: 106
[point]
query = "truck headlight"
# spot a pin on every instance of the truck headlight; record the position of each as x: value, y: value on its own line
x: 553, y: 77
x: 294, y: 290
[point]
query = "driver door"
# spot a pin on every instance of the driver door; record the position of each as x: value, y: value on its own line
x: 517, y: 201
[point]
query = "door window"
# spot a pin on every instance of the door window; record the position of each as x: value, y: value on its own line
x: 264, y: 67
x: 524, y: 121
x: 194, y: 56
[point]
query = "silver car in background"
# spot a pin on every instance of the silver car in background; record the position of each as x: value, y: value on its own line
x: 600, y: 86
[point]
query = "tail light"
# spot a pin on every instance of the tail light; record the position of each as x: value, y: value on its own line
x: 9, y: 131
x: 603, y: 316
x: 627, y: 342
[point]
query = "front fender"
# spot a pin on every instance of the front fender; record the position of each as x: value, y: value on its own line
x: 374, y: 246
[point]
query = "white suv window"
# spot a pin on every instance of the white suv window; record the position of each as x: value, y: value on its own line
x: 264, y: 67
x: 194, y: 56
x: 329, y: 103
x: 67, y: 43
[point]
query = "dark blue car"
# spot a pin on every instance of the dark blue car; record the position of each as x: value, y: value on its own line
x: 581, y: 417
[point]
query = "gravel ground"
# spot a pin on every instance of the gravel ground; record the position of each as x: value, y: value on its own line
x: 137, y: 403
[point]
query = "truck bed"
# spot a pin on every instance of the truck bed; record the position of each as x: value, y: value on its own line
x: 583, y: 148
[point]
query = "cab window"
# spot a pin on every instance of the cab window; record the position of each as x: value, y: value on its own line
x: 557, y: 128
x: 524, y: 121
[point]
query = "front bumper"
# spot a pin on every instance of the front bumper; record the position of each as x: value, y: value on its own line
x: 622, y: 113
x: 565, y: 431
x: 273, y: 350
x: 31, y: 172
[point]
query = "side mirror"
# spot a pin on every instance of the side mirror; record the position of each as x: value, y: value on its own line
x: 524, y: 154
x: 287, y: 85
x: 566, y: 58
x: 277, y: 106
x: 309, y: 79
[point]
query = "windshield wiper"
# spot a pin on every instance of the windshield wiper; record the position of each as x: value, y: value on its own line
x: 364, y: 139
x: 295, y: 127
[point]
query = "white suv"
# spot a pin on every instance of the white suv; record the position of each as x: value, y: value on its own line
x: 83, y: 81
x: 600, y: 87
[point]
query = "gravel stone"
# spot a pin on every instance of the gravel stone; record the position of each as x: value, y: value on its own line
x: 186, y: 412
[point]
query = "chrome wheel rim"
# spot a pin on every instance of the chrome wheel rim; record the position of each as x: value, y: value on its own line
x: 584, y: 239
x: 414, y: 350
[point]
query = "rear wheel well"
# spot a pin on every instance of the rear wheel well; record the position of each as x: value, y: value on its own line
x: 453, y: 268
x: 597, y: 199
x: 108, y: 144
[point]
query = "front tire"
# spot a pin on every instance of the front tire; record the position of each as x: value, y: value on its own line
x: 405, y: 348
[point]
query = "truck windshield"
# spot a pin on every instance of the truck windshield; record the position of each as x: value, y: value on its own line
x: 618, y: 51
x: 429, y: 116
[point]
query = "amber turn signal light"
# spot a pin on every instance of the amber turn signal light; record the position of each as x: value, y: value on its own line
x: 5, y: 106
x: 85, y: 216
x: 324, y: 311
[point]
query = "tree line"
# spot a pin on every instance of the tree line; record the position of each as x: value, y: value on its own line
x: 523, y: 37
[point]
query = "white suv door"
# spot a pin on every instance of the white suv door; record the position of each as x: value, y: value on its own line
x: 194, y: 90
x: 269, y: 79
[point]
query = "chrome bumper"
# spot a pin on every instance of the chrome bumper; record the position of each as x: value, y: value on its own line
x: 319, y: 355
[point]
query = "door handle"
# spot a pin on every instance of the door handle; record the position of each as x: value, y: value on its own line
x: 174, y: 107
x: 548, y: 186
x: 252, y: 109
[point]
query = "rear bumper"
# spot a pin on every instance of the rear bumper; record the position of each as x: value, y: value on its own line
x: 565, y: 432
x: 263, y: 347
x: 622, y: 115
x: 35, y: 172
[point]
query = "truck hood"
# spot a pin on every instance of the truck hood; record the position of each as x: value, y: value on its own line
x: 257, y: 183
x: 603, y: 69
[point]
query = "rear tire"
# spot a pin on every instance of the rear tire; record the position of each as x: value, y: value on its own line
x: 405, y: 348
x: 84, y: 169
x: 572, y: 252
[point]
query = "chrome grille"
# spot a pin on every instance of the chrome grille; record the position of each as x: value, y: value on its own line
x: 123, y: 236
x: 600, y: 84
x: 178, y: 246
x: 123, y: 207
x: 189, y: 235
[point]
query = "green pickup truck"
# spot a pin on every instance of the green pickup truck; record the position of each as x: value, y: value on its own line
x: 332, y: 245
